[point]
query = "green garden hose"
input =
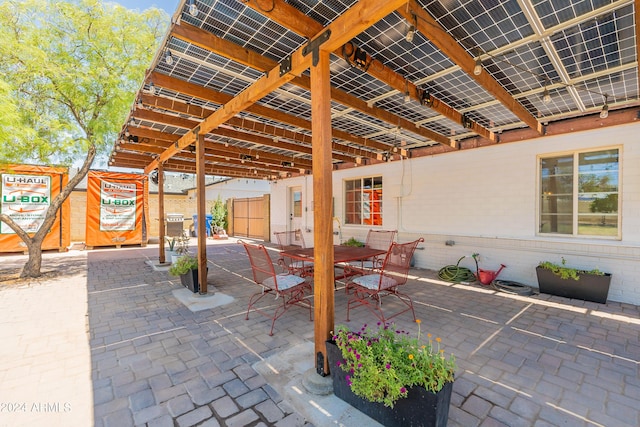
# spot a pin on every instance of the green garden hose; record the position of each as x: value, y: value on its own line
x: 456, y: 274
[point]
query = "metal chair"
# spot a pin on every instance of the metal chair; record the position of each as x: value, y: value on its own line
x: 376, y: 239
x: 289, y: 287
x: 291, y: 240
x: 369, y: 289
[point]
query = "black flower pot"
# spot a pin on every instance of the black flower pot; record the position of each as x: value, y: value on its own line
x: 419, y: 408
x: 589, y: 287
x: 190, y: 280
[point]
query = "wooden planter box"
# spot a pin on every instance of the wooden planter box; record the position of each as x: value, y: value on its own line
x: 589, y: 287
x: 419, y: 408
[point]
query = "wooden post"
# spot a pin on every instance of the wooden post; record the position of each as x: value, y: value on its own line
x: 202, y: 215
x: 323, y: 276
x: 162, y: 255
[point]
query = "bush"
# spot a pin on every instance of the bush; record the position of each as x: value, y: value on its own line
x: 382, y: 364
x: 219, y: 214
x: 184, y: 264
x: 567, y: 272
x: 353, y: 242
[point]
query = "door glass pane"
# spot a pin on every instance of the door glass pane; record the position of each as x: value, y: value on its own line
x: 297, y: 204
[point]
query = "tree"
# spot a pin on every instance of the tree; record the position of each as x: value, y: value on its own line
x: 70, y: 70
x: 219, y: 214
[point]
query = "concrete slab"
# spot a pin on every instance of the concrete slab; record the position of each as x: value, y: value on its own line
x: 157, y: 266
x: 290, y: 373
x: 197, y: 302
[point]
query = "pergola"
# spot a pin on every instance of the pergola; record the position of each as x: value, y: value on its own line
x: 271, y: 89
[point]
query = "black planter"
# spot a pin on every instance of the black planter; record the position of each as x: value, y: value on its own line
x: 419, y: 408
x: 190, y: 280
x: 589, y: 287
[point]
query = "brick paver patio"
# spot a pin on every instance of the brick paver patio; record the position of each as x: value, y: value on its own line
x: 109, y: 345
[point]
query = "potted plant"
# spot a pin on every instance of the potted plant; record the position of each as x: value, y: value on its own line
x: 186, y: 267
x: 560, y: 280
x: 171, y: 253
x: 392, y: 377
x: 219, y: 219
x: 353, y: 242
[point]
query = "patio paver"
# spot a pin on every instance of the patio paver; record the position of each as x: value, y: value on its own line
x: 112, y: 341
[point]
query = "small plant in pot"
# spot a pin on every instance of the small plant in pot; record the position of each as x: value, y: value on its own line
x: 396, y: 379
x: 186, y: 267
x: 184, y: 264
x: 353, y: 242
x: 569, y: 282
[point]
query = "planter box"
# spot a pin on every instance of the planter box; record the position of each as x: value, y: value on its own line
x: 589, y: 287
x: 168, y: 255
x: 190, y: 280
x: 419, y: 408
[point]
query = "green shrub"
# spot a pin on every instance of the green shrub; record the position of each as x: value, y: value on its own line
x: 353, y: 242
x: 567, y: 272
x: 184, y: 264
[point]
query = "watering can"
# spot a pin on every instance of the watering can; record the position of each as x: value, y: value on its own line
x: 487, y: 276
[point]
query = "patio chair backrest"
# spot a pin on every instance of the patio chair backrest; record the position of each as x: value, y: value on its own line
x: 290, y: 239
x: 261, y: 264
x: 397, y: 263
x: 380, y: 239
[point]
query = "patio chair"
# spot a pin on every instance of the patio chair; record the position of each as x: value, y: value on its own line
x: 289, y: 287
x: 376, y: 239
x: 368, y: 290
x: 292, y: 240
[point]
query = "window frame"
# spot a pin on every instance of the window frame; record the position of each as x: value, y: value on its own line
x: 575, y: 193
x: 362, y: 202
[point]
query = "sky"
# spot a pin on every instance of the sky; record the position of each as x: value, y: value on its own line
x: 168, y: 6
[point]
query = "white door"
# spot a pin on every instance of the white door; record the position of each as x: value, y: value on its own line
x: 295, y: 209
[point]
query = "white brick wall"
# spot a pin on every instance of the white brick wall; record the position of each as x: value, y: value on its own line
x: 485, y: 200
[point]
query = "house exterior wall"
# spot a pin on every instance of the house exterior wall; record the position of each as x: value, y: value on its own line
x: 485, y: 200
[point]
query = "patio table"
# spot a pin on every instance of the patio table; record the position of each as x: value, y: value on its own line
x: 341, y: 254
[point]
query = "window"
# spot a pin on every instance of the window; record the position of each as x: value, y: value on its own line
x: 579, y: 194
x: 363, y: 199
x: 297, y: 204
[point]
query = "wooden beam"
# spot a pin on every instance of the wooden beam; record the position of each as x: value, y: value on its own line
x: 211, y: 95
x: 201, y: 205
x: 323, y: 272
x: 230, y: 155
x: 430, y: 28
x: 161, y: 224
x: 140, y: 160
x: 291, y: 18
x: 343, y: 153
x: 636, y: 14
x: 206, y: 40
x: 351, y: 23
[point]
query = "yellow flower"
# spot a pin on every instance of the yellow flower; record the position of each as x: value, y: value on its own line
x: 438, y: 339
x: 428, y: 335
x: 418, y: 321
x: 424, y: 346
x: 411, y: 357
